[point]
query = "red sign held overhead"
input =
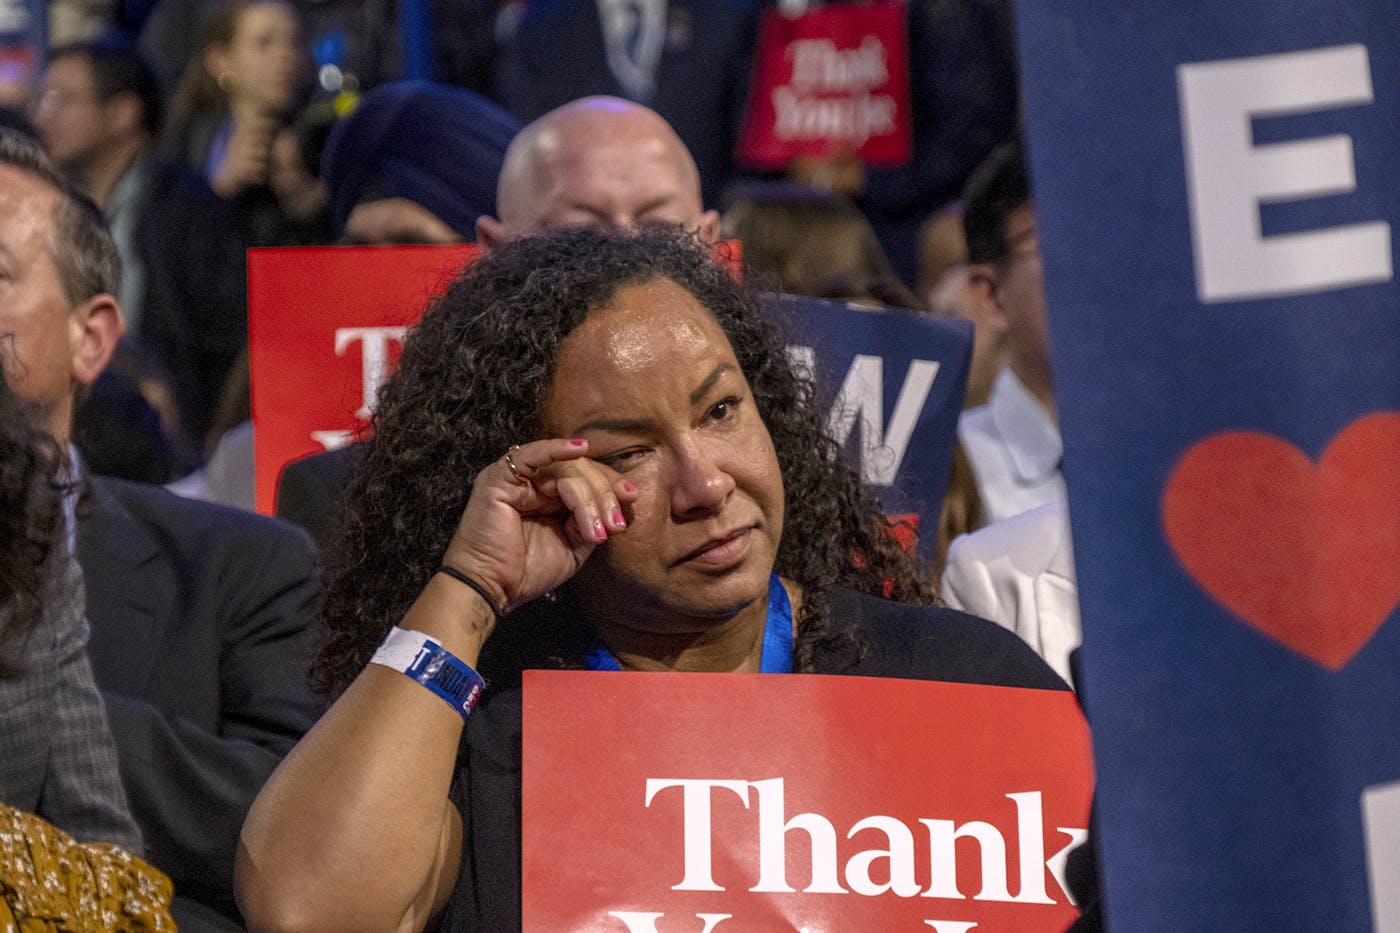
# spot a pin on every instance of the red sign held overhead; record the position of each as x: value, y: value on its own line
x: 736, y: 802
x: 325, y: 326
x: 833, y: 80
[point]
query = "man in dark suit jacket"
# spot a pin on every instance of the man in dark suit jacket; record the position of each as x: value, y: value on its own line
x: 696, y: 76
x: 200, y: 615
x: 200, y: 643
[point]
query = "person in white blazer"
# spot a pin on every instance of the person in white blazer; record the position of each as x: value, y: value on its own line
x: 1019, y: 572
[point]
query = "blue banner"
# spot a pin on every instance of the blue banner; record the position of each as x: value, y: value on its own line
x: 892, y: 382
x: 1216, y: 196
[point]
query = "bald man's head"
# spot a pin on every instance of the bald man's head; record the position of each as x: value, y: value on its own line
x: 596, y: 162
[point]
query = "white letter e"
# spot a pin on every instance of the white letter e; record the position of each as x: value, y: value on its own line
x: 1228, y: 176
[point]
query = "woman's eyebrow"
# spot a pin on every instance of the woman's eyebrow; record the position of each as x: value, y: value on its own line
x: 616, y: 426
x: 709, y: 383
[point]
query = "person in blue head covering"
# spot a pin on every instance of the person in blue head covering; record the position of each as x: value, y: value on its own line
x: 415, y: 162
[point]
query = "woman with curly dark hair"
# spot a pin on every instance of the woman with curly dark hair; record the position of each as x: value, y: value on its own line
x: 30, y: 521
x: 595, y: 454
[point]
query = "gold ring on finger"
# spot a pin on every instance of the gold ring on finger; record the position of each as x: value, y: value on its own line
x: 520, y: 478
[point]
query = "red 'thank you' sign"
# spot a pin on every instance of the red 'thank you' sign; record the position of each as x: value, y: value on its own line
x: 325, y: 326
x: 830, y: 81
x: 726, y: 803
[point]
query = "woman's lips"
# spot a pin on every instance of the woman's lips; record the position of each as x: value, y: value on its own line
x: 721, y: 553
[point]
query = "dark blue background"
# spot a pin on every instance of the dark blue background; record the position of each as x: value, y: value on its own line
x: 1230, y: 769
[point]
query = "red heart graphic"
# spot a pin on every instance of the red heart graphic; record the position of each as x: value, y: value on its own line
x: 1307, y: 554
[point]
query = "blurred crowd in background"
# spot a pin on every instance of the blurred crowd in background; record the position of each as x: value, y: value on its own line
x: 229, y: 109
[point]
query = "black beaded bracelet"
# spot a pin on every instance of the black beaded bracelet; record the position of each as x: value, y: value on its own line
x: 457, y: 575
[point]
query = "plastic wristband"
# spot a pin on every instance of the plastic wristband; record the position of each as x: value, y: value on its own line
x: 420, y: 658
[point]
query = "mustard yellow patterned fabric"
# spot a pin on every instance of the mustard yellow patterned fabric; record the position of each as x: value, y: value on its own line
x: 49, y: 883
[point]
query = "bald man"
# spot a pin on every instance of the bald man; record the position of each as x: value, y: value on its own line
x: 596, y: 162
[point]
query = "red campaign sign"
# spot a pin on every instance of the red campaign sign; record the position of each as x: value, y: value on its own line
x: 325, y: 327
x: 723, y: 803
x: 830, y: 81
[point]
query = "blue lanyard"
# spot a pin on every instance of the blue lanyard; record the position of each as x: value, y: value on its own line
x: 777, y: 637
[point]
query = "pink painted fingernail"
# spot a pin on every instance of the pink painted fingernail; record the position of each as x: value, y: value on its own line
x: 628, y: 486
x: 598, y: 528
x: 577, y: 442
x: 617, y: 518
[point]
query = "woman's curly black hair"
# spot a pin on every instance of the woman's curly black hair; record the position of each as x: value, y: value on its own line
x: 30, y: 521
x: 473, y: 379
